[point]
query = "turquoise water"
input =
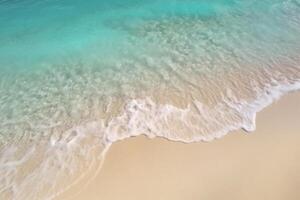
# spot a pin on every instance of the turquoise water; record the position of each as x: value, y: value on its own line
x: 75, y: 76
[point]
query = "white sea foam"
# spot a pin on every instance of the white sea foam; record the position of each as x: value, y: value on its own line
x: 143, y: 116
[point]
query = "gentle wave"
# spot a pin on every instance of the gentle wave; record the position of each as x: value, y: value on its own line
x: 76, y: 77
x: 144, y: 117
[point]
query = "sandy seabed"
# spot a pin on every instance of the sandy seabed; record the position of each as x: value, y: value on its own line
x: 263, y: 165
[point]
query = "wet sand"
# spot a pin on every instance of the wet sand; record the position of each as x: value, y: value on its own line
x: 263, y: 165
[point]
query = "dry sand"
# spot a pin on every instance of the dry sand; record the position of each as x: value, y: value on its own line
x: 263, y: 165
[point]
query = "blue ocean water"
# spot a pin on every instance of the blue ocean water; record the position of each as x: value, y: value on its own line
x: 75, y: 76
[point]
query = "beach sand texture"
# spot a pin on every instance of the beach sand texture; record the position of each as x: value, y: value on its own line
x: 263, y: 165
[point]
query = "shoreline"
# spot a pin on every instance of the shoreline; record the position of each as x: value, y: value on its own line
x: 101, y: 186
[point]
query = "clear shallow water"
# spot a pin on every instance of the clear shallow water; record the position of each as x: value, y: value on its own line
x: 78, y: 75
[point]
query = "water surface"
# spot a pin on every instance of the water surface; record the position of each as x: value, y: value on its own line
x: 75, y: 76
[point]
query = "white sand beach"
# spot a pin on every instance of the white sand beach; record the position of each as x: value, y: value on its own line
x: 263, y: 165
